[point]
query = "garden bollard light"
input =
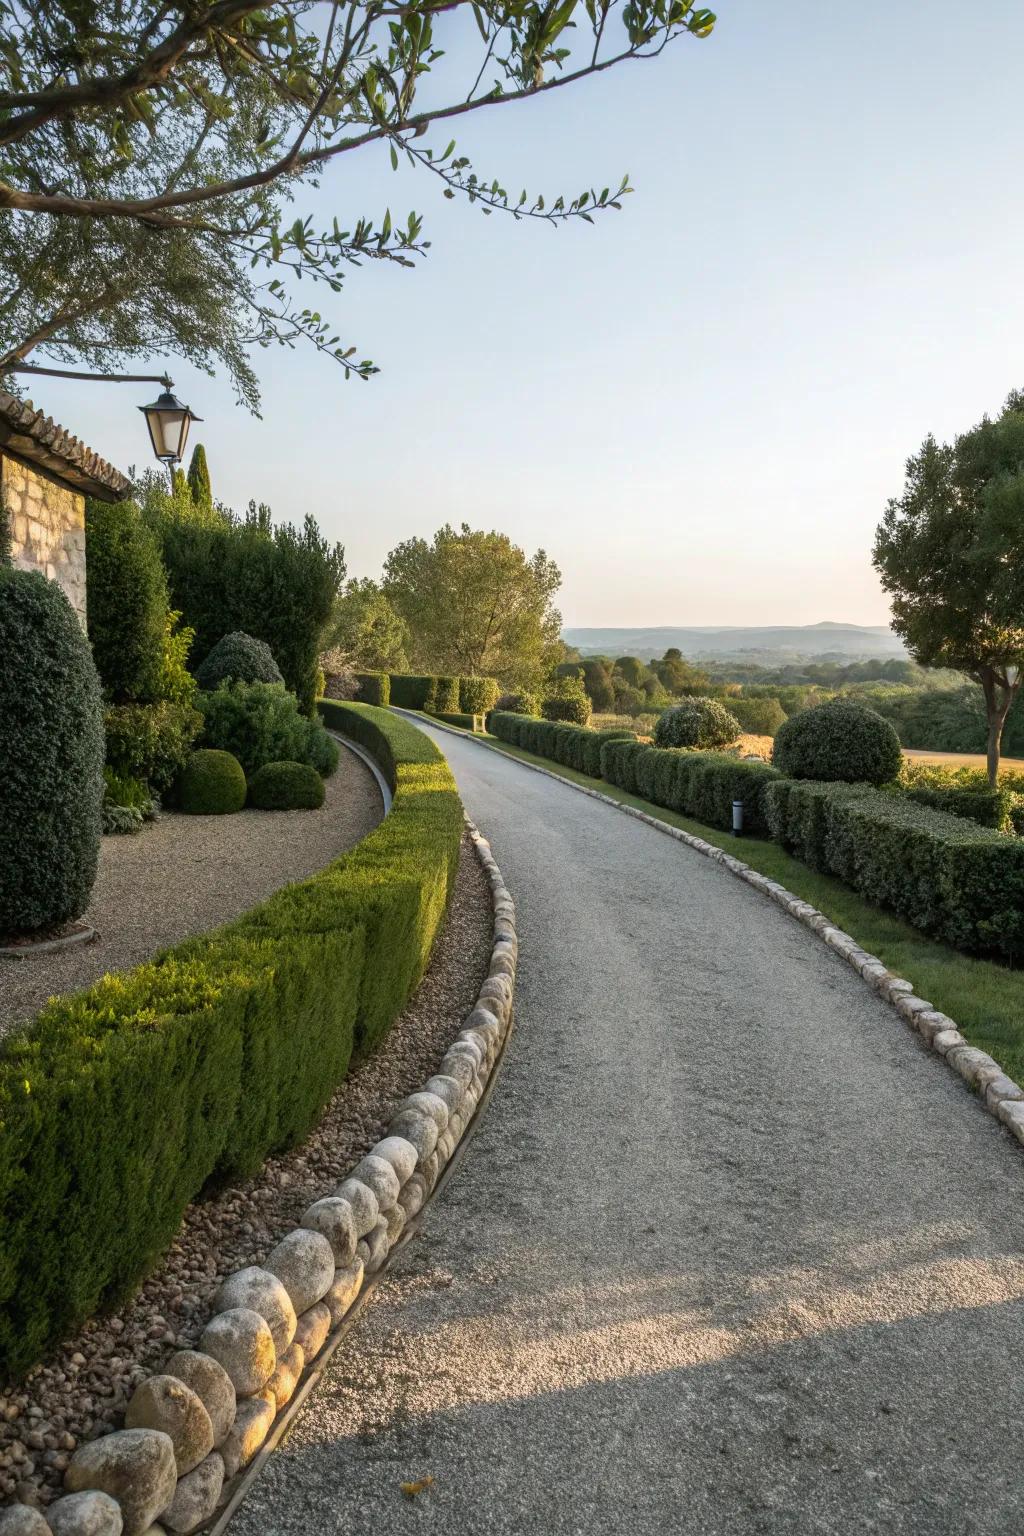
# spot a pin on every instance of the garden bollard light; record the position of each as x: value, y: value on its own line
x: 737, y: 817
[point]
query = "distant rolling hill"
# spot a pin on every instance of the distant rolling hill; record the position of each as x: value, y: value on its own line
x: 769, y: 644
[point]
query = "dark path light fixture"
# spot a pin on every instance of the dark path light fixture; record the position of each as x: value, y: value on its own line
x: 168, y: 422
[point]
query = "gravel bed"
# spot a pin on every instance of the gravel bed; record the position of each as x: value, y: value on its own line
x: 183, y: 875
x: 81, y: 1391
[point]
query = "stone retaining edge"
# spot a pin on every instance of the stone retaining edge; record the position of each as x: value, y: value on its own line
x: 997, y: 1091
x: 181, y: 1465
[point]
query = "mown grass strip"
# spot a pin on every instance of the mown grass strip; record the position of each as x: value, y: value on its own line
x: 986, y: 999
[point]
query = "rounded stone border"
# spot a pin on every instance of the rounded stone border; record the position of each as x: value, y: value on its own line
x: 997, y: 1091
x: 199, y: 1432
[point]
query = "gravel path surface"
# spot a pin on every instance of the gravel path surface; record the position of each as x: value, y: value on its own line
x: 82, y: 1389
x: 183, y: 875
x: 731, y: 1251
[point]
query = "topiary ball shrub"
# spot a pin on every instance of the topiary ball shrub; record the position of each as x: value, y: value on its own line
x: 703, y: 723
x: 212, y: 783
x: 840, y: 741
x: 238, y: 658
x: 286, y: 787
x: 567, y: 700
x: 51, y: 786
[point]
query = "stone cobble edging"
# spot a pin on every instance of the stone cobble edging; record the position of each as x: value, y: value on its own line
x: 997, y: 1091
x: 192, y: 1430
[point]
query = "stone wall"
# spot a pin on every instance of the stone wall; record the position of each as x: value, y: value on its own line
x: 47, y: 520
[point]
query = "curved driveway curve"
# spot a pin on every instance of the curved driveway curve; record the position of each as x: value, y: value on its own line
x: 731, y: 1251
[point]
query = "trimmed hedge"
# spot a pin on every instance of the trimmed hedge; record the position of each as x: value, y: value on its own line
x: 443, y: 696
x: 464, y: 722
x: 945, y: 875
x: 409, y: 689
x: 118, y: 1104
x: 999, y: 808
x: 286, y: 787
x: 574, y: 746
x: 51, y: 787
x: 212, y: 783
x: 374, y: 688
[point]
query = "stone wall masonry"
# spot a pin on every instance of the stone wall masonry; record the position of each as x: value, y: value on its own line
x: 192, y: 1430
x: 47, y: 520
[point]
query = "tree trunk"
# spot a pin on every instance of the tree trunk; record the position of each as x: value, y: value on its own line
x: 999, y: 693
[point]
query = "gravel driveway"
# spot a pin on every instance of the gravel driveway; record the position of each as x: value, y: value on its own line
x: 730, y: 1253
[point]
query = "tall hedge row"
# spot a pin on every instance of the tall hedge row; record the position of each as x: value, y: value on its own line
x: 118, y: 1104
x: 443, y: 695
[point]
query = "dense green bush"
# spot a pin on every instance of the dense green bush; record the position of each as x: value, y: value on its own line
x: 573, y: 746
x: 374, y: 688
x: 286, y: 787
x: 212, y: 783
x: 278, y: 584
x: 945, y: 875
x: 409, y: 690
x: 120, y: 1103
x: 261, y: 723
x: 758, y: 717
x: 442, y: 696
x: 840, y: 741
x: 127, y: 803
x: 238, y: 658
x: 51, y: 787
x: 567, y: 699
x: 620, y: 761
x: 126, y: 601
x: 999, y: 808
x: 696, y: 723
x: 518, y: 704
x: 477, y: 695
x: 150, y: 741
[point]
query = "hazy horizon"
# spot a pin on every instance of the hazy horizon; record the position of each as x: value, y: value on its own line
x: 699, y: 406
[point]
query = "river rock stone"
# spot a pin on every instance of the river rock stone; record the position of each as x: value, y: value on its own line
x: 363, y: 1201
x: 135, y: 1466
x: 211, y: 1384
x: 460, y: 1066
x: 428, y: 1104
x: 378, y: 1174
x: 414, y: 1195
x: 165, y: 1402
x: 344, y: 1290
x: 253, y: 1423
x: 418, y: 1130
x: 396, y: 1220
x: 314, y: 1326
x: 286, y: 1377
x: 261, y: 1292
x: 196, y: 1496
x: 335, y: 1219
x: 304, y: 1263
x: 85, y: 1514
x: 22, y: 1520
x: 244, y: 1345
x: 401, y: 1154
x: 447, y: 1089
x: 377, y: 1242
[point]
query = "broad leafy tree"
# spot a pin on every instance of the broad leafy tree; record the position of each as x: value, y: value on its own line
x: 152, y: 155
x: 475, y: 603
x: 949, y: 552
x: 366, y: 628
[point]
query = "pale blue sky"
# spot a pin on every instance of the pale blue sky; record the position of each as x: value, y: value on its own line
x: 700, y: 405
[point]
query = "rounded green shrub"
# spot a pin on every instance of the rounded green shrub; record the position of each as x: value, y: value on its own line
x: 696, y: 722
x: 212, y: 783
x: 840, y: 741
x: 51, y: 788
x: 518, y: 704
x: 568, y: 700
x: 286, y: 787
x: 238, y: 658
x: 261, y: 723
x: 758, y: 716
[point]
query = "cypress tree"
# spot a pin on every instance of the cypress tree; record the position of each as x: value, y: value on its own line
x: 199, y: 479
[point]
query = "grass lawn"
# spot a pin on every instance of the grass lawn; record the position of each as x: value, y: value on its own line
x: 963, y: 760
x: 985, y: 999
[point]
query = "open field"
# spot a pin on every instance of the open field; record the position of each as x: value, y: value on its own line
x: 963, y: 759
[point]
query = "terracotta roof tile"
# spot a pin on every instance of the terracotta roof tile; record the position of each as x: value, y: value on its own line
x: 45, y: 443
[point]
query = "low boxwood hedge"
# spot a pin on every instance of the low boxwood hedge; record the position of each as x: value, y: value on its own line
x: 463, y: 721
x: 574, y: 746
x: 212, y: 783
x: 442, y: 695
x: 945, y: 875
x: 118, y: 1104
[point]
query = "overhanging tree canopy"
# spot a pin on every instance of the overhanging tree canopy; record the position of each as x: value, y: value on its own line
x: 148, y: 152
